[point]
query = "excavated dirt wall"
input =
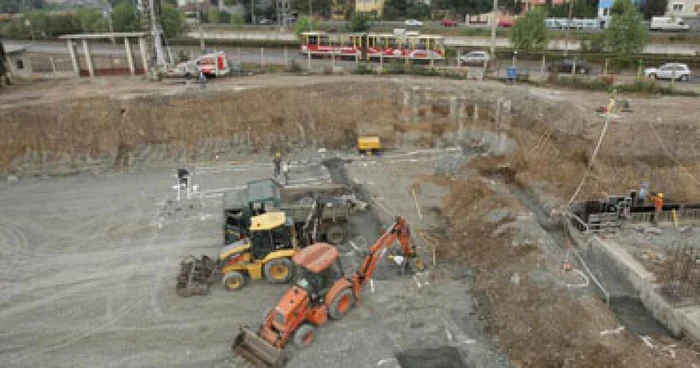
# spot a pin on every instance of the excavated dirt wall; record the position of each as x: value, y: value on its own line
x: 547, y: 136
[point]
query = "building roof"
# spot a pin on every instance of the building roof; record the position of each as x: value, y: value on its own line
x: 89, y: 36
x: 15, y: 49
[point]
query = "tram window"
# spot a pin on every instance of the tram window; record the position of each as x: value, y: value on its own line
x: 312, y: 40
x: 392, y: 42
x: 324, y: 40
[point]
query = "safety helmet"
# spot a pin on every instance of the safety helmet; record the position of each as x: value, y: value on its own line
x: 661, y: 195
x: 278, y: 154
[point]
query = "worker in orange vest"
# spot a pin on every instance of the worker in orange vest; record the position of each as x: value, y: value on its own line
x: 658, y: 201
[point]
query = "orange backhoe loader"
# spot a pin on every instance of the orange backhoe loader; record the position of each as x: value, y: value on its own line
x: 320, y: 291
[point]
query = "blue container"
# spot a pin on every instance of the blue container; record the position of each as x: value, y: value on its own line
x: 511, y: 73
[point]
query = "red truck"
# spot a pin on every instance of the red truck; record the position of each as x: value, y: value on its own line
x: 448, y: 23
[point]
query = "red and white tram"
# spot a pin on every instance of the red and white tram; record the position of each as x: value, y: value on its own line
x: 369, y: 46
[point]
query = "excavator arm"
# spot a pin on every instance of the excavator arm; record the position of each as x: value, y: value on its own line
x: 399, y: 231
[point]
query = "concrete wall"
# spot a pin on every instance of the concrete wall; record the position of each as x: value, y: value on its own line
x: 678, y: 321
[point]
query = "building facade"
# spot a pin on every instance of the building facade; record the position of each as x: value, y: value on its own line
x: 374, y: 7
x: 683, y: 8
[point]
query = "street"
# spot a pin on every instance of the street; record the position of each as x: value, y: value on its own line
x: 277, y: 56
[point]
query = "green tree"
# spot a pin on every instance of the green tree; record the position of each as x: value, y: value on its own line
x: 654, y: 8
x: 529, y: 32
x: 305, y: 23
x: 320, y: 7
x: 360, y: 22
x: 237, y: 19
x: 395, y: 9
x: 418, y: 10
x: 125, y: 18
x: 620, y: 6
x: 581, y: 9
x: 89, y: 20
x: 463, y: 7
x: 224, y: 17
x: 213, y: 15
x: 626, y: 35
x: 172, y: 21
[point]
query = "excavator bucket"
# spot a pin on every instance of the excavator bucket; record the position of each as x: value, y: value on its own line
x: 256, y: 351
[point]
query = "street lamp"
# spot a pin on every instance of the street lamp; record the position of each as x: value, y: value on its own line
x: 28, y: 23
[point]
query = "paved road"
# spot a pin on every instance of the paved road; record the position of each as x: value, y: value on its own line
x: 254, y: 56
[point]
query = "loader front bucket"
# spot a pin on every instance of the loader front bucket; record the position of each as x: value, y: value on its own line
x: 256, y: 351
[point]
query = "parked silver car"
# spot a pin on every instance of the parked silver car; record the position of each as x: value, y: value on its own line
x: 474, y: 58
x: 413, y: 23
x: 676, y: 71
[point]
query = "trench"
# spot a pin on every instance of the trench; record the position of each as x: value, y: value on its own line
x: 442, y: 357
x: 624, y: 302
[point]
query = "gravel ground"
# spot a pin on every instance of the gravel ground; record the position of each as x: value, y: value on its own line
x: 89, y: 262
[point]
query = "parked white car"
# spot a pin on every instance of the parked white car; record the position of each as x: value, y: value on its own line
x: 474, y: 58
x: 413, y: 23
x: 667, y: 71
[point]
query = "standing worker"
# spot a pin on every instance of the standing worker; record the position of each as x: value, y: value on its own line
x: 611, y: 102
x: 641, y: 196
x: 202, y: 79
x: 658, y: 200
x: 278, y: 163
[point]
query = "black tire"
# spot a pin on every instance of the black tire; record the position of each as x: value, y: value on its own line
x: 233, y: 281
x: 653, y: 76
x: 304, y: 335
x: 685, y: 78
x: 341, y: 304
x: 335, y: 234
x: 278, y: 271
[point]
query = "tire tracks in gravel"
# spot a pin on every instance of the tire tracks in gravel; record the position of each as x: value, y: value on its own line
x: 98, y: 325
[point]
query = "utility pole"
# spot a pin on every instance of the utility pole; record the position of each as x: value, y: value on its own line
x: 108, y: 10
x: 568, y: 27
x: 199, y: 24
x: 493, y: 28
x: 311, y: 16
x: 252, y: 11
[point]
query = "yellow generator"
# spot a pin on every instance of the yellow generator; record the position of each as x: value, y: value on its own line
x: 369, y: 145
x: 268, y: 252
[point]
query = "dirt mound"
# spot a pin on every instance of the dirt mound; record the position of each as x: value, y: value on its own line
x: 537, y: 321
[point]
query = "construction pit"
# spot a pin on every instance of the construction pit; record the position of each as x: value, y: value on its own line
x: 92, y: 234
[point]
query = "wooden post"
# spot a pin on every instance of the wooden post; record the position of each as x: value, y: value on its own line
x: 73, y: 57
x: 53, y: 65
x: 88, y: 58
x: 308, y: 54
x: 544, y: 64
x: 605, y: 67
x: 129, y: 56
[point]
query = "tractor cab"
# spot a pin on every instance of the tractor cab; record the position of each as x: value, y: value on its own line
x: 270, y: 232
x: 317, y: 270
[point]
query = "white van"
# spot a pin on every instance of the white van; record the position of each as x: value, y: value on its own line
x: 668, y: 24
